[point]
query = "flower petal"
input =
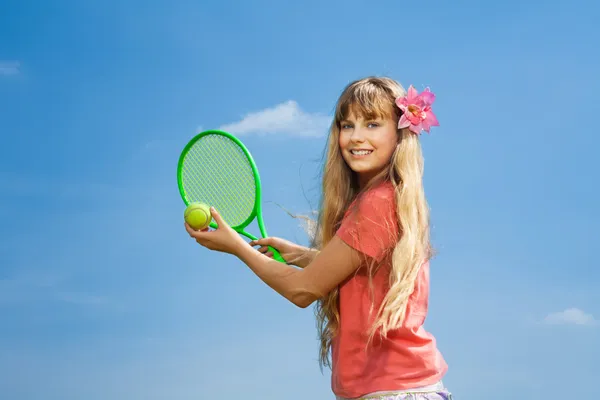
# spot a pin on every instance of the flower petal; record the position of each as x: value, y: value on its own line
x: 412, y: 94
x: 403, y: 122
x: 432, y: 119
x: 415, y: 128
x: 425, y: 126
x: 428, y: 97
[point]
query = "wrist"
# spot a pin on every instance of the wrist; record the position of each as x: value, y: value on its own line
x: 240, y: 247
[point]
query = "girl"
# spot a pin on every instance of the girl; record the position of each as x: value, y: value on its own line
x: 369, y: 268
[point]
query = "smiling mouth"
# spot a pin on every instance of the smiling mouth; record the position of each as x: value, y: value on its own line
x: 361, y: 152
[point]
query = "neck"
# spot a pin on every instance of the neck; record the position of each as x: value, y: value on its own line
x: 365, y: 180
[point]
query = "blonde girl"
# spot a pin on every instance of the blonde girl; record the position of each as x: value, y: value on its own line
x: 368, y: 268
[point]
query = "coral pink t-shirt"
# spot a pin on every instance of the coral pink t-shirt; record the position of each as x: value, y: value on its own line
x: 408, y: 358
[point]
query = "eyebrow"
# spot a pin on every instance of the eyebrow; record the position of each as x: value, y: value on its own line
x: 376, y: 118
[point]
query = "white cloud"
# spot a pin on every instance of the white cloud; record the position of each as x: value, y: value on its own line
x: 571, y: 316
x: 9, y: 67
x: 285, y: 118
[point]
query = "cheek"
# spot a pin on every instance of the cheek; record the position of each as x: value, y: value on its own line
x: 391, y: 146
x: 342, y: 141
x: 386, y: 150
x: 388, y: 143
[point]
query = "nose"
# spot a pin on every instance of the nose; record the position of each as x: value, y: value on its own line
x: 358, y: 135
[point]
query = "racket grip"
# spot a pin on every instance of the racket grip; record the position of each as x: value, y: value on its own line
x: 276, y: 255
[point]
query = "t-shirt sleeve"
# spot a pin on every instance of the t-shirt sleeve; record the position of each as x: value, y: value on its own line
x: 372, y: 226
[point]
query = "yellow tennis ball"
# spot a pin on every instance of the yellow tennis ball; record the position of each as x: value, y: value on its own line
x: 198, y: 216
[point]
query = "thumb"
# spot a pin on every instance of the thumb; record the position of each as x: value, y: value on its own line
x: 217, y: 217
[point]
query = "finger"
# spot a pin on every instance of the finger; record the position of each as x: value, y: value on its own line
x: 196, y: 234
x: 188, y: 228
x: 269, y: 254
x: 262, y: 249
x: 262, y: 242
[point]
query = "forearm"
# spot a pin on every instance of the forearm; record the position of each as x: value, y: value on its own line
x: 284, y: 279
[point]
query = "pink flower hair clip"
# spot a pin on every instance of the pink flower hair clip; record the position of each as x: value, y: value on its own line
x: 416, y: 110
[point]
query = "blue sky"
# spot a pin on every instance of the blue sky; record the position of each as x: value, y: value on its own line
x: 104, y: 296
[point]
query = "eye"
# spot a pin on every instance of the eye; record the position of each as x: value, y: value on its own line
x: 346, y: 126
x: 372, y: 124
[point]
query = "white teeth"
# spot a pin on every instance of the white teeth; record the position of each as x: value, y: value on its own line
x: 361, y: 152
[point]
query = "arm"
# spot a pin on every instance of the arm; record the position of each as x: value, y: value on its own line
x: 292, y: 253
x: 371, y: 232
x: 302, y: 287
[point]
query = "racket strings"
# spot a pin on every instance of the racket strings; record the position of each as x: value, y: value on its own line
x: 216, y: 171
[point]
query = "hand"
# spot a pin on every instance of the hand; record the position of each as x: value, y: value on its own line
x: 291, y: 252
x: 223, y: 239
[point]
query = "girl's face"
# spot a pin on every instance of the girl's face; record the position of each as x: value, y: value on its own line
x: 367, y: 145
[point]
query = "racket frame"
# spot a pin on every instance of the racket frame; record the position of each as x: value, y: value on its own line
x: 256, y: 210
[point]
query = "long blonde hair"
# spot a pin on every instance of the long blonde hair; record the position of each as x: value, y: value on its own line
x: 374, y: 97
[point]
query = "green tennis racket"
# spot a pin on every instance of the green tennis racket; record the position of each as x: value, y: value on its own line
x: 215, y: 168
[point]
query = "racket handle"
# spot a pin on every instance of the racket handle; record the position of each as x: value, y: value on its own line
x: 276, y: 255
